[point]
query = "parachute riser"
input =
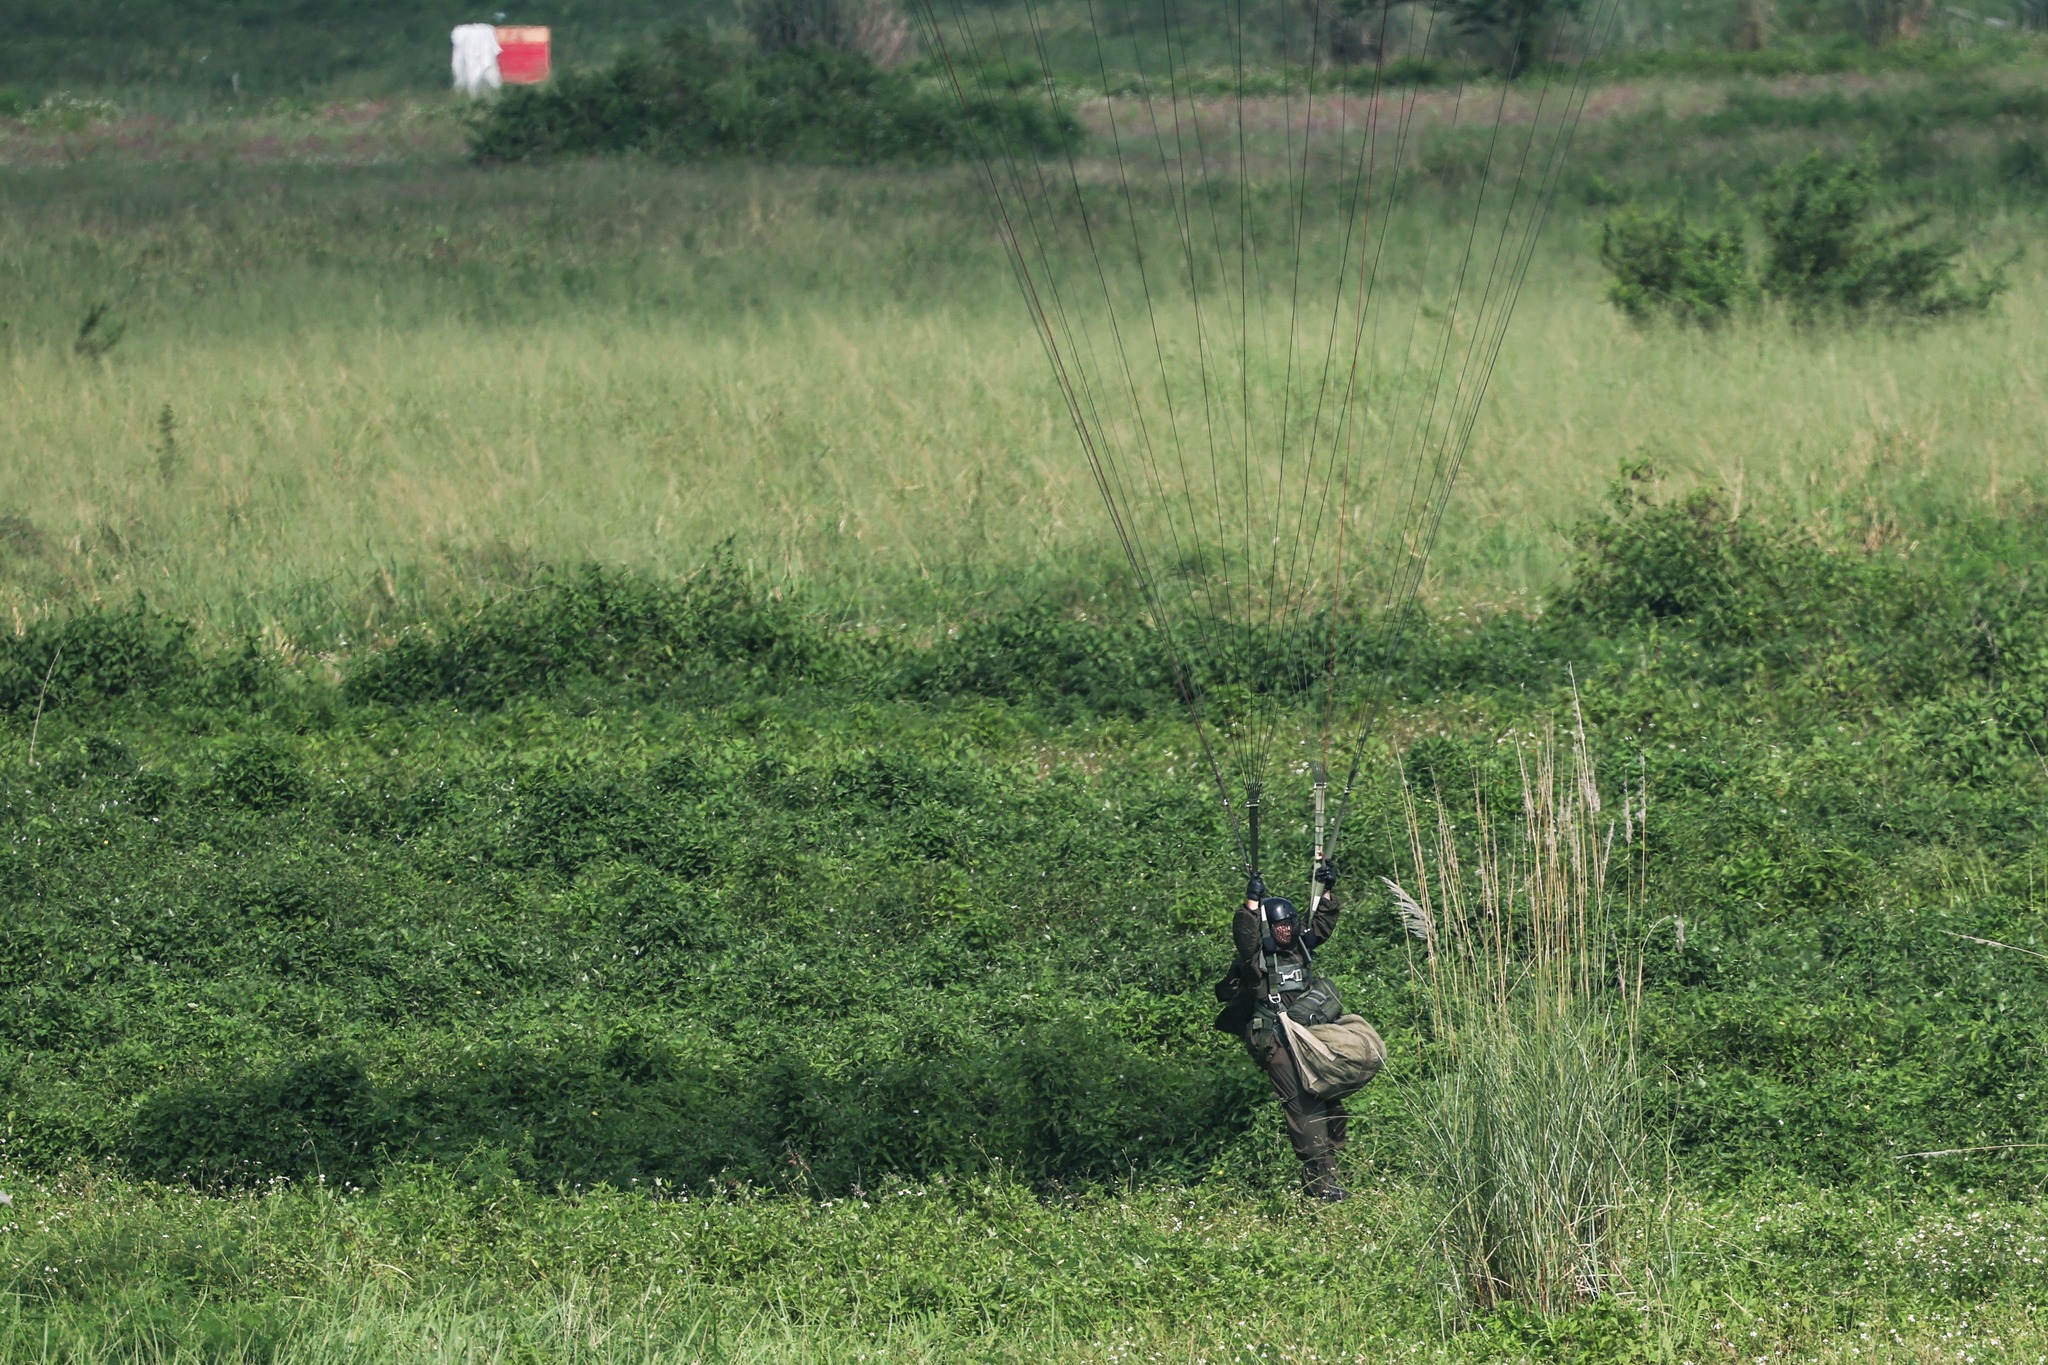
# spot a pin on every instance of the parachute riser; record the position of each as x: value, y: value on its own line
x: 1251, y: 816
x: 1322, y: 825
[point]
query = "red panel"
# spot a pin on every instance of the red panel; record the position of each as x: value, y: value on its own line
x: 522, y: 55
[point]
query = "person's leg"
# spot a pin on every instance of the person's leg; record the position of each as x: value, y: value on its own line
x: 1323, y: 1183
x: 1306, y: 1117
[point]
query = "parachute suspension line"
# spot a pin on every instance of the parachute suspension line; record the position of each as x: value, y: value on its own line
x: 1149, y: 464
x: 1430, y: 495
x: 1194, y: 283
x: 1183, y: 222
x: 1254, y: 764
x: 1276, y: 609
x: 1357, y: 222
x: 1286, y: 599
x: 1093, y: 452
x: 1575, y: 101
x: 1314, y: 425
x: 1207, y: 602
x: 1330, y: 669
x: 1338, y: 470
x: 1359, y: 212
x: 1161, y: 492
x: 1247, y: 263
x: 1147, y: 453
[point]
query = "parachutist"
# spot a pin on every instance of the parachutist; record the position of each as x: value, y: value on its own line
x: 1273, y: 971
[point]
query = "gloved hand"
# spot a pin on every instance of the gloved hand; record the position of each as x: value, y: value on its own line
x: 1255, y: 889
x: 1326, y: 874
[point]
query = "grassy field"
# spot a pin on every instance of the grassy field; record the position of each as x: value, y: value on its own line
x: 392, y: 382
x: 578, y: 781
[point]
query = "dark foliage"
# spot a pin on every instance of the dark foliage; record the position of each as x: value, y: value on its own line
x: 1517, y: 35
x: 1824, y: 251
x: 779, y: 25
x: 309, y: 1118
x: 96, y: 655
x: 693, y: 887
x: 692, y: 99
x: 602, y: 625
x: 1827, y: 252
x: 1664, y: 265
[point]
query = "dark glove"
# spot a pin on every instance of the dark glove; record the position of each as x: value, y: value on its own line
x: 1255, y: 889
x: 1326, y: 874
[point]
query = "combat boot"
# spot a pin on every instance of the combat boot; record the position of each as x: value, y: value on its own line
x: 1319, y: 1181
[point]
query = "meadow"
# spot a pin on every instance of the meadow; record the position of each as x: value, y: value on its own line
x: 582, y: 779
x: 393, y: 382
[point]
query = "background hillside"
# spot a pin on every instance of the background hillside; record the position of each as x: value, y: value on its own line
x: 190, y: 56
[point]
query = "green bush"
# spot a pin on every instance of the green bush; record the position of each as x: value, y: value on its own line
x: 1825, y: 251
x: 779, y: 25
x: 626, y: 877
x: 2022, y: 162
x: 94, y: 655
x: 601, y: 625
x: 1516, y: 35
x: 311, y: 1118
x: 695, y: 100
x: 1663, y: 265
x: 257, y: 775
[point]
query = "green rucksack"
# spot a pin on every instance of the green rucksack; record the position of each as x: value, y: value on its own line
x: 1336, y: 1059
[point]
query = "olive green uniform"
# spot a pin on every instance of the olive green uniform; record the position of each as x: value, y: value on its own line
x: 1316, y: 1127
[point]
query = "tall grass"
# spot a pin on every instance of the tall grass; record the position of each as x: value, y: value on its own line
x: 94, y: 1270
x: 1531, y: 1107
x: 392, y: 389
x: 400, y: 383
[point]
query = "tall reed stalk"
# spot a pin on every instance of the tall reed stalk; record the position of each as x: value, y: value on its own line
x: 1525, y: 950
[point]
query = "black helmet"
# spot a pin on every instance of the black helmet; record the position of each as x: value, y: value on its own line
x: 1279, y: 910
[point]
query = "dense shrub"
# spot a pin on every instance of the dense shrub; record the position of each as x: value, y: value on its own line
x: 601, y: 625
x: 689, y: 886
x: 258, y: 775
x: 95, y: 654
x: 1516, y: 35
x: 1664, y: 265
x: 693, y: 99
x: 1826, y: 252
x: 310, y: 1118
x: 779, y: 25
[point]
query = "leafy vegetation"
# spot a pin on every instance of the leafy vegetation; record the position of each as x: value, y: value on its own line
x: 1823, y: 255
x: 500, y: 919
x: 449, y: 903
x: 1665, y: 265
x: 812, y: 102
x: 647, y: 886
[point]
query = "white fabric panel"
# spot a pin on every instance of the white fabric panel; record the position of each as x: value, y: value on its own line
x: 476, y: 58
